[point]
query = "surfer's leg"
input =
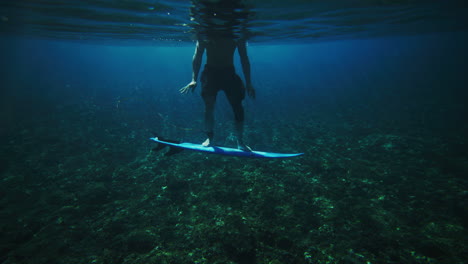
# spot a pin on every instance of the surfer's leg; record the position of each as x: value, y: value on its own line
x: 238, y: 109
x: 239, y: 128
x: 209, y: 119
x: 209, y: 92
x: 235, y: 93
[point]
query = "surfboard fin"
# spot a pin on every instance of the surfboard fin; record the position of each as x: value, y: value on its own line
x: 172, y: 150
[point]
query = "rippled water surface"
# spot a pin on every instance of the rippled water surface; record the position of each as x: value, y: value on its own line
x: 271, y: 21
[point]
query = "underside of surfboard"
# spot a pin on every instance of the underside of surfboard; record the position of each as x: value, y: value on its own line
x: 176, y: 147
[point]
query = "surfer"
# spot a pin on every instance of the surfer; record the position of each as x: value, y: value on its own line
x: 219, y: 73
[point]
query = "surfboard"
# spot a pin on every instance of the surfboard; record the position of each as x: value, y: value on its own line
x: 175, y: 147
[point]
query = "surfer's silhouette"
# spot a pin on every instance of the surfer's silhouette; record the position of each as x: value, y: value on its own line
x: 220, y: 27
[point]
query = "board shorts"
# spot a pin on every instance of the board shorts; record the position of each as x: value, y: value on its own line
x: 215, y: 79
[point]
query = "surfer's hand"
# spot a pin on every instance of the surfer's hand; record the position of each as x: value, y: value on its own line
x: 250, y: 91
x: 189, y: 87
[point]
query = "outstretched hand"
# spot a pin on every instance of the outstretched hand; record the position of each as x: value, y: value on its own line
x: 189, y: 87
x: 250, y: 91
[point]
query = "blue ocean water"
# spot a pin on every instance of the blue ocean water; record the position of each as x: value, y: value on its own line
x: 373, y: 92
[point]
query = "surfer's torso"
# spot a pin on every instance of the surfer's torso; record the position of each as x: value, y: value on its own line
x: 220, y: 52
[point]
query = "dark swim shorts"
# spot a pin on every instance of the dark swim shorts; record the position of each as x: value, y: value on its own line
x: 214, y: 79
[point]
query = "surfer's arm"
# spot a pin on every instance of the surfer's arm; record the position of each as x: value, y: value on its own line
x: 197, y: 60
x: 196, y: 65
x: 244, y: 58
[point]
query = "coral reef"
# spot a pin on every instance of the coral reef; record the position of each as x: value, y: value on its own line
x: 359, y: 195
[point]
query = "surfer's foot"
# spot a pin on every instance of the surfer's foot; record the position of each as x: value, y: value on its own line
x: 243, y: 147
x: 207, y: 143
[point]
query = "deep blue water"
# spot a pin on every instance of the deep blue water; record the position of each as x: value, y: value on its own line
x: 396, y: 76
